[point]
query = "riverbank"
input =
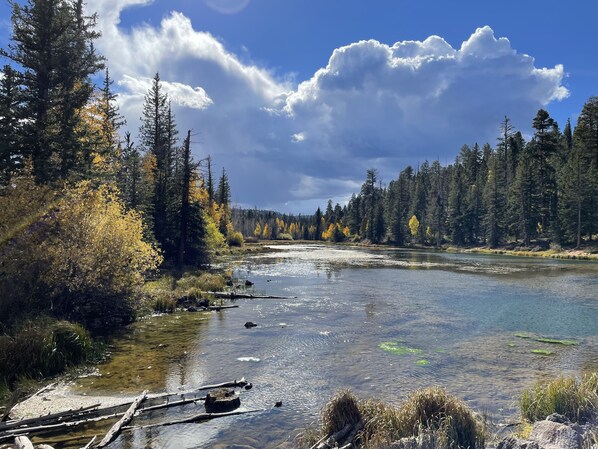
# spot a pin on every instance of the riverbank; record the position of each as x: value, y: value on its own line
x: 585, y: 252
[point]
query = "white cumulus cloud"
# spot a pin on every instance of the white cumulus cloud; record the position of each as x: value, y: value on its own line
x: 371, y: 105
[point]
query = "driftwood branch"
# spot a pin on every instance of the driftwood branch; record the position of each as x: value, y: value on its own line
x: 72, y: 418
x: 321, y: 440
x: 68, y: 414
x: 195, y: 418
x: 128, y: 416
x: 233, y: 295
x: 23, y: 443
x: 90, y: 444
x: 223, y: 307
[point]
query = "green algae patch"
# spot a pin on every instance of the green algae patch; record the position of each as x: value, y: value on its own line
x: 511, y: 345
x: 542, y: 352
x: 397, y: 348
x: 522, y: 335
x: 422, y: 362
x: 553, y: 341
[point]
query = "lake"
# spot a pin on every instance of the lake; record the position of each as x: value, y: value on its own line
x: 380, y: 322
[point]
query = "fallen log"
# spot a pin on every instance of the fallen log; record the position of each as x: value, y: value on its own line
x: 89, y: 414
x: 69, y: 414
x: 217, y: 308
x: 128, y: 416
x: 234, y: 295
x: 351, y: 438
x: 53, y: 427
x: 195, y: 418
x: 331, y: 442
x: 23, y: 443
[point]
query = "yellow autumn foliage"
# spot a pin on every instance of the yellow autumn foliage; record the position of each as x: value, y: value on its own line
x: 84, y: 250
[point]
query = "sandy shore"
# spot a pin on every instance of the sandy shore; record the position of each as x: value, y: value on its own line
x: 60, y: 397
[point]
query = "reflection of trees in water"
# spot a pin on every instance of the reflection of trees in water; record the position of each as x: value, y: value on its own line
x: 333, y: 270
x: 370, y: 310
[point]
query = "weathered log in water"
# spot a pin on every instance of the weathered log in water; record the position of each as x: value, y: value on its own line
x: 235, y: 295
x: 196, y: 418
x: 66, y: 415
x: 217, y: 308
x: 72, y: 418
x: 128, y: 416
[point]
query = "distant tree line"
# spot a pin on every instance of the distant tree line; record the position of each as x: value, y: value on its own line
x: 537, y: 192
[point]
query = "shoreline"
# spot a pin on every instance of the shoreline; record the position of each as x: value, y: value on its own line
x: 589, y: 253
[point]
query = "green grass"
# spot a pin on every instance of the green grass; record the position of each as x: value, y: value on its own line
x: 397, y: 348
x: 43, y: 347
x: 575, y: 398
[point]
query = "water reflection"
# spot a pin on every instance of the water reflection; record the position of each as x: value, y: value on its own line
x: 460, y: 311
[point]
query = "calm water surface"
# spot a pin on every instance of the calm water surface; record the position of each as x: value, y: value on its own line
x: 458, y: 313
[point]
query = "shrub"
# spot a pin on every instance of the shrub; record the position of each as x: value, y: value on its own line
x: 81, y: 259
x: 574, y: 398
x: 43, y: 348
x: 235, y: 239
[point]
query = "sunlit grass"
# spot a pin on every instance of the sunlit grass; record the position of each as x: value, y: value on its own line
x: 575, y: 398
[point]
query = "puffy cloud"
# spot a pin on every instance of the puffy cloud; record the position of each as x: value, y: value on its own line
x: 372, y: 105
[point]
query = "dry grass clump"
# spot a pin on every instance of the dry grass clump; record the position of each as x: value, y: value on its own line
x: 432, y: 409
x: 341, y: 410
x: 430, y: 418
x: 574, y: 398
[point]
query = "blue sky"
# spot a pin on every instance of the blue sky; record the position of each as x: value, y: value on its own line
x: 284, y: 96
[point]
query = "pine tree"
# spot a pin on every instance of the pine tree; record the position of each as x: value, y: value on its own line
x: 456, y: 206
x: 223, y: 200
x: 544, y: 146
x: 156, y: 134
x: 52, y: 43
x: 11, y: 112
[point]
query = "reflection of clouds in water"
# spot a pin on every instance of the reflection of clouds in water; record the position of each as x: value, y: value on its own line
x: 326, y: 258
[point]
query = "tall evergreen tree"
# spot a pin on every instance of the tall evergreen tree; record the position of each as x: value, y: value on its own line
x: 156, y: 134
x: 223, y: 200
x: 544, y: 147
x: 52, y: 43
x: 11, y: 124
